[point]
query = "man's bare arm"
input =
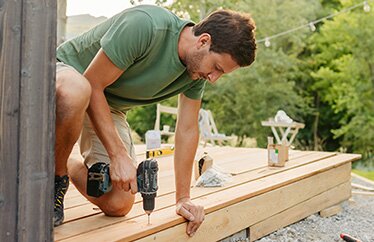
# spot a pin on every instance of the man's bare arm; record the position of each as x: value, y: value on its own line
x: 186, y: 141
x: 101, y: 73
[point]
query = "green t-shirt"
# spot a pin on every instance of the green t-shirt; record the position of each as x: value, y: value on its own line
x: 143, y: 41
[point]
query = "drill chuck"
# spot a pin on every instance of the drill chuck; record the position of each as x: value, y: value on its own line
x: 148, y: 202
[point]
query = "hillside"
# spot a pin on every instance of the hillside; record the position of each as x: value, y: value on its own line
x: 78, y: 24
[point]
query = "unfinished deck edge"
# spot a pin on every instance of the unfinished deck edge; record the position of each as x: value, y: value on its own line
x: 168, y: 214
x: 312, y: 157
x: 256, y: 210
x: 72, y: 203
x: 313, y: 205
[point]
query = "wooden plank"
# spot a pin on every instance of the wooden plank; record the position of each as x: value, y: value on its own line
x: 73, y: 192
x: 166, y: 163
x: 328, y: 212
x: 10, y: 53
x: 37, y: 120
x: 363, y: 193
x: 237, y: 166
x: 237, y: 180
x: 137, y: 227
x: 229, y: 220
x: 358, y: 186
x: 166, y: 186
x: 217, y: 198
x: 74, y: 201
x: 27, y: 119
x: 86, y: 208
x: 300, y: 211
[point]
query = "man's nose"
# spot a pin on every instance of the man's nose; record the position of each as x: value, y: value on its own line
x: 214, y: 76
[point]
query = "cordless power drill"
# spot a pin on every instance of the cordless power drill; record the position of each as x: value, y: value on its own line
x: 99, y: 183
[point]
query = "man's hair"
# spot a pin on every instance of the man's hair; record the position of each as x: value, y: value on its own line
x: 232, y: 33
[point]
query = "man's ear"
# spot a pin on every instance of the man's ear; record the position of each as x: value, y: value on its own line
x: 204, y: 40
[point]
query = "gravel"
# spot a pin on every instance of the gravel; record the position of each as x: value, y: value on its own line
x: 356, y: 219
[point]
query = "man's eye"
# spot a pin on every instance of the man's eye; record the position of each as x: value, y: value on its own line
x: 219, y: 69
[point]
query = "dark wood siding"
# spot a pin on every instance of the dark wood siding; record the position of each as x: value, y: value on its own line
x: 27, y: 104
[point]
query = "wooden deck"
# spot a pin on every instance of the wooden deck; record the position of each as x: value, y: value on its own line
x: 260, y: 198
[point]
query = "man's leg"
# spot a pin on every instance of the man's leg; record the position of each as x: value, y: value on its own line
x: 73, y: 93
x: 116, y: 202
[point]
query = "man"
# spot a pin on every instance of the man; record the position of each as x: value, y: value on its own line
x: 140, y: 56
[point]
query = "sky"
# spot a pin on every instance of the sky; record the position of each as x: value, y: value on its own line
x: 98, y: 8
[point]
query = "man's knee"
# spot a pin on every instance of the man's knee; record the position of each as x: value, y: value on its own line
x: 117, y: 208
x: 73, y: 92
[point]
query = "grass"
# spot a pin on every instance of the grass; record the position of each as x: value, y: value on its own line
x: 367, y: 174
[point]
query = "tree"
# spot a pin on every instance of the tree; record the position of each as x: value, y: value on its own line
x: 323, y: 78
x: 344, y: 78
x: 241, y: 100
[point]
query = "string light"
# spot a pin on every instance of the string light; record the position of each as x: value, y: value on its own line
x: 267, y: 42
x: 311, y: 25
x: 366, y: 6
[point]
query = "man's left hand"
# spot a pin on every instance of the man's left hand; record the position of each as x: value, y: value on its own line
x: 193, y: 213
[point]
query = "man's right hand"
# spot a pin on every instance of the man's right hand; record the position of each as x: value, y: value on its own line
x: 123, y: 174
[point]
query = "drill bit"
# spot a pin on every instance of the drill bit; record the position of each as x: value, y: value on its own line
x: 149, y: 216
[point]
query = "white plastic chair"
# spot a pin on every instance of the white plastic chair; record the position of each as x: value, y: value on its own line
x: 208, y: 129
x: 167, y: 110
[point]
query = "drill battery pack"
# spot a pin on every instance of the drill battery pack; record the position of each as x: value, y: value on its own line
x: 98, y: 180
x: 147, y: 183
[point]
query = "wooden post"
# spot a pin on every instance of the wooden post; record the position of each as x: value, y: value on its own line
x: 27, y: 117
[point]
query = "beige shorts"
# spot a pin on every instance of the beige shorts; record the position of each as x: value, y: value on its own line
x: 61, y: 66
x: 93, y: 150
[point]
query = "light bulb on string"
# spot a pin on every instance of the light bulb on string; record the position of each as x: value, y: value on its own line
x: 366, y: 6
x: 312, y: 27
x: 267, y: 42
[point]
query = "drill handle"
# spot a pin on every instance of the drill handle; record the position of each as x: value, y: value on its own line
x: 147, y: 176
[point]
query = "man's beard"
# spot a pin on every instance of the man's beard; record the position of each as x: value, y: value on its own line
x: 193, y: 62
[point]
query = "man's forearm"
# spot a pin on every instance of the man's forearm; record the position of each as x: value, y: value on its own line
x: 103, y: 125
x: 186, y: 142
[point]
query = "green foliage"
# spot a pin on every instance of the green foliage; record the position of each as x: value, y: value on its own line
x: 323, y: 78
x: 343, y: 77
x: 367, y: 174
x: 196, y: 10
x: 241, y: 100
x: 142, y: 119
x: 253, y: 94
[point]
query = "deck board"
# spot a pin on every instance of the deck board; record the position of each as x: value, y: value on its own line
x: 168, y: 184
x: 252, y: 178
x: 86, y: 207
x: 295, y: 213
x: 243, y: 214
